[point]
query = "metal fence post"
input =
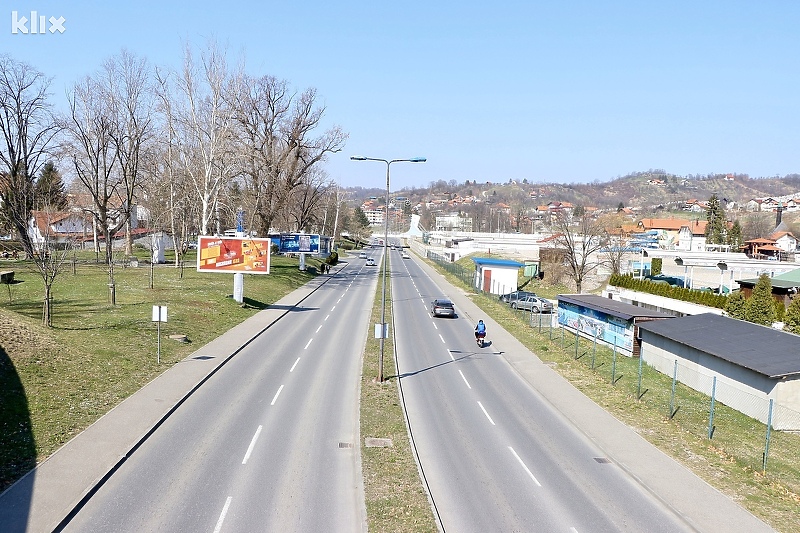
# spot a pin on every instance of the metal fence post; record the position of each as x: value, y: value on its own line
x: 639, y: 380
x: 769, y: 430
x: 614, y: 362
x: 672, y: 396
x: 711, y: 410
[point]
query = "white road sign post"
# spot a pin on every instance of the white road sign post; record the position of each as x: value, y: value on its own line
x: 159, y: 316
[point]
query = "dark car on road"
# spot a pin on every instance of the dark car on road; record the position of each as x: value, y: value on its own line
x: 443, y: 307
x: 516, y: 295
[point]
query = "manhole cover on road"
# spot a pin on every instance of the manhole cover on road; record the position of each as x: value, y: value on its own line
x: 371, y: 442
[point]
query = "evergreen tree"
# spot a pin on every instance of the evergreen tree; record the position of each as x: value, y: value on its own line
x: 655, y: 266
x: 791, y: 321
x: 620, y: 207
x: 716, y: 229
x: 735, y: 238
x: 360, y: 217
x: 780, y: 311
x: 735, y: 306
x: 49, y: 190
x: 759, y: 308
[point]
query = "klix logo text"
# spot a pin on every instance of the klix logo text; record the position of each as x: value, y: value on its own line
x: 36, y: 24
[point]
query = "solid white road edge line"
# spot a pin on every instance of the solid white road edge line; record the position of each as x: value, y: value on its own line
x: 487, y: 414
x: 276, y: 395
x: 525, y: 467
x: 222, y: 514
x: 252, y: 445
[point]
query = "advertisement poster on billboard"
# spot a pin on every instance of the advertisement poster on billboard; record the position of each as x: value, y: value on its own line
x: 299, y: 243
x: 233, y: 254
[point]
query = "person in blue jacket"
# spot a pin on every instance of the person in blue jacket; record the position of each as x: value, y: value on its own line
x: 480, y: 329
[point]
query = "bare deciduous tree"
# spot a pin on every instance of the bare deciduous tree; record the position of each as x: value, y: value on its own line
x: 48, y: 252
x: 27, y: 127
x: 90, y: 143
x: 580, y: 241
x: 278, y: 145
x: 127, y: 87
x: 205, y: 122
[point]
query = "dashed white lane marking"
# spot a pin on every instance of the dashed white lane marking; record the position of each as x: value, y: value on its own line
x: 294, y: 365
x: 222, y: 514
x: 487, y: 414
x: 526, y: 468
x: 434, y: 324
x: 464, y: 378
x: 276, y: 395
x: 332, y: 308
x: 326, y: 317
x: 450, y: 353
x: 252, y: 445
x: 440, y: 336
x: 308, y: 343
x: 319, y: 328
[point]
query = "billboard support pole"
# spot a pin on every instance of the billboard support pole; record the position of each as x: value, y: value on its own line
x: 238, y: 287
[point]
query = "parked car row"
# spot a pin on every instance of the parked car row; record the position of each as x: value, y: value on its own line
x: 527, y: 301
x: 534, y: 304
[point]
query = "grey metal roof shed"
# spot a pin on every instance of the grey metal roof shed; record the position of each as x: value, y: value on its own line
x: 764, y: 350
x: 616, y: 308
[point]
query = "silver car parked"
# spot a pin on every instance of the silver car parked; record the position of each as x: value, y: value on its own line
x: 534, y: 304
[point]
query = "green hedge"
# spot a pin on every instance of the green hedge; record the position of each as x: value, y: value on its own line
x: 661, y: 288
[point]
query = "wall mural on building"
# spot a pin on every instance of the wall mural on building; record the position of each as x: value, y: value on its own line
x: 590, y: 322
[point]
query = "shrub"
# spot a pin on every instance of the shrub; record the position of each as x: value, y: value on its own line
x: 780, y: 311
x: 791, y: 321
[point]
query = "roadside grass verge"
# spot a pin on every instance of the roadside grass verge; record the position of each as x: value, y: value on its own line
x: 54, y: 382
x: 731, y: 461
x: 395, y: 498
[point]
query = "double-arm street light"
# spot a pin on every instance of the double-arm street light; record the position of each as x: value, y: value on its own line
x: 384, y: 329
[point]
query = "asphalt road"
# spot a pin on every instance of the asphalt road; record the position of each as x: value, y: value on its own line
x: 269, y: 443
x: 495, y: 454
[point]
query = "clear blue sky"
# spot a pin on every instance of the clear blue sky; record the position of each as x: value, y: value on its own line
x: 570, y: 91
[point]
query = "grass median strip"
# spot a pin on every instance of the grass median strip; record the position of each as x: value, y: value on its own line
x: 395, y: 497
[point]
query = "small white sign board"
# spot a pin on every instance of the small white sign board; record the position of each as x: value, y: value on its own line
x: 159, y: 313
x: 382, y: 332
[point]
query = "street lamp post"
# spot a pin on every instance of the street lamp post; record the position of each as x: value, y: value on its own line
x: 385, y: 247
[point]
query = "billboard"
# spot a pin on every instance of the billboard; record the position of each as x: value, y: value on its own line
x: 299, y: 242
x: 233, y: 254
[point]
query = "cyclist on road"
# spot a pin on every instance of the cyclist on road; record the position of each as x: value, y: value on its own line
x: 480, y: 329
